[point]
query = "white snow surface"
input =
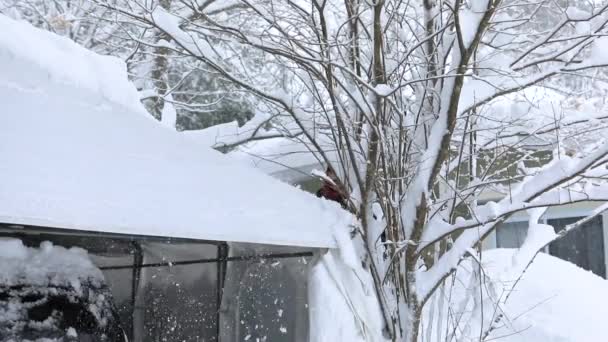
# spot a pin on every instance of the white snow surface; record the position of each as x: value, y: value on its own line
x: 229, y: 133
x: 599, y: 53
x: 290, y: 160
x: 555, y: 300
x: 29, y: 54
x: 215, y: 135
x: 78, y: 156
x: 470, y: 18
x: 169, y: 23
x: 286, y: 159
x: 342, y: 301
x: 46, y: 265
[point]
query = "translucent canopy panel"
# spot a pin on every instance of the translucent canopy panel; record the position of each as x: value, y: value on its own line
x: 200, y: 291
x: 266, y: 299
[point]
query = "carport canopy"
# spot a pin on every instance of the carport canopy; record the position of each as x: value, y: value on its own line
x: 74, y: 154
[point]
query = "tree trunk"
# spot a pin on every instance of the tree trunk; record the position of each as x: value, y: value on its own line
x: 160, y: 68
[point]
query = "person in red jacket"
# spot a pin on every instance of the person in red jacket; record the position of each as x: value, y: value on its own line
x: 330, y: 189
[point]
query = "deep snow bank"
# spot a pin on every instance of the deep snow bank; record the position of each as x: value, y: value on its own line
x: 30, y: 56
x: 554, y: 301
x: 343, y: 305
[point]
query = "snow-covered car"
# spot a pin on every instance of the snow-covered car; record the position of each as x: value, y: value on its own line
x: 54, y: 294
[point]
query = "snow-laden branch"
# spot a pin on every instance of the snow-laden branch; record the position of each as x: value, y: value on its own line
x: 553, y: 33
x: 168, y: 23
x: 537, y: 191
x: 485, y: 96
x: 430, y: 163
x: 555, y: 184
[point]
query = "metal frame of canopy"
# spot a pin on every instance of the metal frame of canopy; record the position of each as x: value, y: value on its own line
x: 132, y: 245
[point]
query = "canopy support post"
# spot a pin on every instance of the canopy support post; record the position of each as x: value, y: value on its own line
x: 138, y: 260
x: 222, y: 256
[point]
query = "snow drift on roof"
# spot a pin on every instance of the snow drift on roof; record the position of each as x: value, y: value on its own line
x: 75, y: 158
x: 286, y: 159
x: 42, y: 54
x: 290, y: 160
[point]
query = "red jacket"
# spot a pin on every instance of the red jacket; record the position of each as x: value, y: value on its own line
x: 330, y: 192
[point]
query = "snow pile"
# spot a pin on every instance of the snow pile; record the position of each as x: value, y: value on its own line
x: 49, y: 292
x: 291, y: 160
x: 75, y: 158
x: 30, y: 55
x: 47, y: 265
x: 342, y: 301
x: 538, y: 236
x: 215, y: 135
x: 554, y: 301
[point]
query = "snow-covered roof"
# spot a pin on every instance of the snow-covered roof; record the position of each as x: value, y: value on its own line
x: 290, y: 160
x: 77, y: 153
x: 287, y: 159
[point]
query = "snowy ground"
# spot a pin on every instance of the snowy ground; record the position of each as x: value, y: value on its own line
x: 555, y: 301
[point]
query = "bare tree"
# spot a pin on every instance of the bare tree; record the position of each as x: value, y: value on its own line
x: 79, y: 20
x: 407, y: 92
x: 164, y: 79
